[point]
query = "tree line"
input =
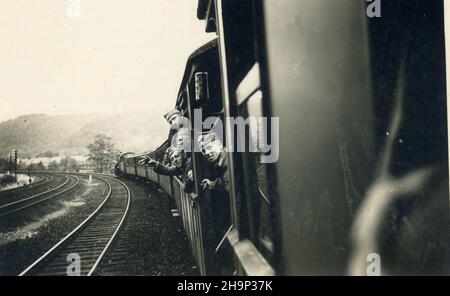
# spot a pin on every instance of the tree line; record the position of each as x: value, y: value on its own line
x: 102, y: 156
x: 65, y: 164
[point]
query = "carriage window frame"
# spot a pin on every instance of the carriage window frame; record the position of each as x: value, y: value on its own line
x: 259, y: 202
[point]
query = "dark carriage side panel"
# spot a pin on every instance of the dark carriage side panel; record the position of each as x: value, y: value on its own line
x: 362, y: 107
x: 166, y: 183
x: 177, y: 191
x: 319, y: 88
x: 409, y: 39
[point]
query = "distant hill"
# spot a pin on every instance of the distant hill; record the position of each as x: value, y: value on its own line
x: 70, y: 134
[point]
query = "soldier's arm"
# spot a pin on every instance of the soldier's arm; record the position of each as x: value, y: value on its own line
x: 166, y: 170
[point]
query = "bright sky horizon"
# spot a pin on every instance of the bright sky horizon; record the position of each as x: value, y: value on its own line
x: 114, y: 57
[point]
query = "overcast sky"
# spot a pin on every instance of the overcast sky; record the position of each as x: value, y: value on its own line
x: 117, y: 56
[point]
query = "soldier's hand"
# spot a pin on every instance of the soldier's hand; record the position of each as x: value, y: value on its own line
x: 144, y: 160
x: 207, y: 184
x: 147, y: 161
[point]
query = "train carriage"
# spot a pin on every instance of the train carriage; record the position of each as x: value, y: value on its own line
x: 357, y: 127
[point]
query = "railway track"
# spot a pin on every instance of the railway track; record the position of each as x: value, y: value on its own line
x: 70, y: 182
x: 91, y: 239
x: 44, y: 182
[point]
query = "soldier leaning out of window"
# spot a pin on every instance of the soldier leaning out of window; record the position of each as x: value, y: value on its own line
x: 173, y: 118
x: 180, y: 140
x: 213, y: 152
x: 180, y: 166
x: 216, y: 182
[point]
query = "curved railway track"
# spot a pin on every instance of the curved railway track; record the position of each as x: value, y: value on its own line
x: 44, y: 182
x: 91, y: 239
x: 69, y: 183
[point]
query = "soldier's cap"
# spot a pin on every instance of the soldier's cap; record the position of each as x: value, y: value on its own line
x: 171, y: 113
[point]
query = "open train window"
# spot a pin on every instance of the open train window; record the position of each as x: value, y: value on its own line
x: 257, y: 176
x: 244, y: 98
x: 216, y: 199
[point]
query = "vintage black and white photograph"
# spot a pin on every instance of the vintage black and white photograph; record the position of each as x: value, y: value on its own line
x: 224, y: 138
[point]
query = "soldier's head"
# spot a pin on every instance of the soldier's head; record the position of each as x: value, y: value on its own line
x: 173, y: 117
x: 177, y: 157
x: 211, y: 147
x: 182, y: 139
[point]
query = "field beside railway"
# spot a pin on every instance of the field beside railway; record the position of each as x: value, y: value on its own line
x: 10, y: 184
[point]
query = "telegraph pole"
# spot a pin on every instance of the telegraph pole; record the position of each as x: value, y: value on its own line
x: 29, y: 171
x: 10, y: 164
x: 15, y: 164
